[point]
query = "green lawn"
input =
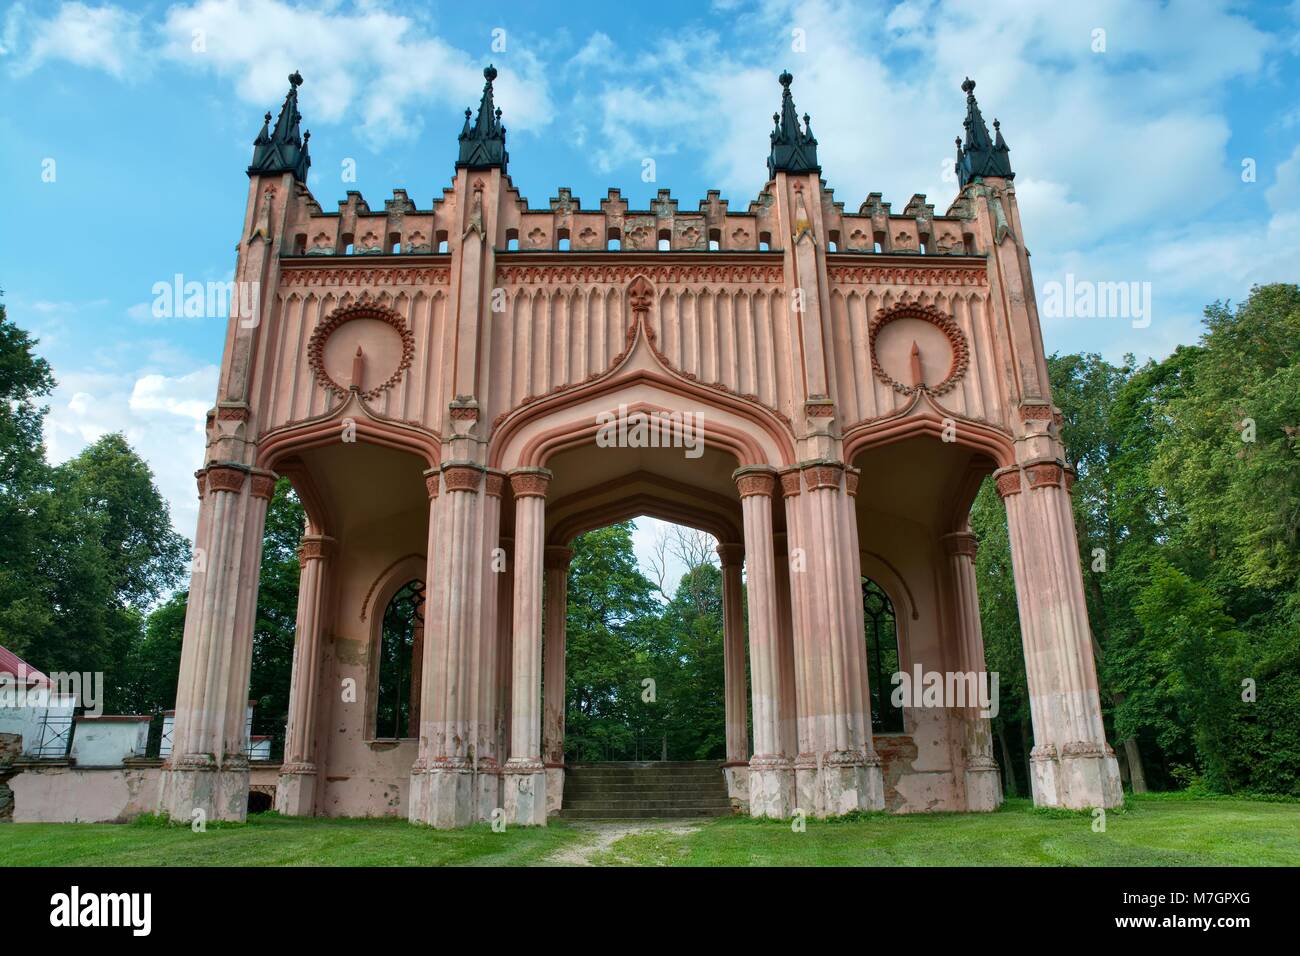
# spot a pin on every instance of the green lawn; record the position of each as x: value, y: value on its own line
x: 270, y: 840
x: 1168, y: 830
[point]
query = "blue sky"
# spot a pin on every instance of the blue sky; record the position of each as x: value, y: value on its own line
x: 1129, y: 159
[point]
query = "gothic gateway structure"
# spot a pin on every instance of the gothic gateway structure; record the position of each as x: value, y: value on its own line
x: 434, y: 383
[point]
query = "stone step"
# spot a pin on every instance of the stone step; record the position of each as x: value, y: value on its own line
x: 645, y: 804
x: 675, y: 813
x: 639, y: 791
x: 648, y: 776
x: 650, y: 792
x: 648, y: 765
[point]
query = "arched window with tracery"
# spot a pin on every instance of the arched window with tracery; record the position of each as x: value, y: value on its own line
x: 401, y: 648
x: 882, y: 657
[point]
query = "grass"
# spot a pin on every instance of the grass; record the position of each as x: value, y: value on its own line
x: 1151, y: 830
x: 271, y: 840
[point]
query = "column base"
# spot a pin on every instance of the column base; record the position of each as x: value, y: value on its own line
x: 487, y: 791
x: 554, y: 790
x: 1081, y: 776
x: 195, y: 783
x: 442, y: 796
x: 983, y: 785
x: 840, y: 782
x: 737, y: 777
x: 771, y: 787
x: 850, y: 782
x: 295, y: 791
x: 525, y: 788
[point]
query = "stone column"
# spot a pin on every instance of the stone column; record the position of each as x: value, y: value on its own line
x: 983, y: 789
x: 736, y: 691
x: 771, y: 773
x: 1071, y: 764
x: 525, y: 773
x: 848, y: 772
x: 487, y: 760
x: 505, y: 649
x: 208, y: 769
x: 295, y: 790
x: 448, y: 722
x: 556, y: 561
x: 806, y: 680
x: 785, y: 641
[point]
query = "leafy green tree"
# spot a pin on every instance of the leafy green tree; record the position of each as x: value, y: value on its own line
x: 608, y: 651
x: 25, y: 379
x: 277, y: 613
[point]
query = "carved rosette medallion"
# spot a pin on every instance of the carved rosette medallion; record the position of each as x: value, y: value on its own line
x: 386, y: 354
x: 958, y: 346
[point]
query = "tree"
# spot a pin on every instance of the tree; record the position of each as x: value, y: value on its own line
x: 25, y: 379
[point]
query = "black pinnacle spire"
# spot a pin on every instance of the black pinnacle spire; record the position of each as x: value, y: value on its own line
x: 794, y: 150
x: 483, y: 145
x: 980, y: 156
x: 283, y: 150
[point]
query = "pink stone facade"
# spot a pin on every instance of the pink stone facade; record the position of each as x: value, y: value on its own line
x: 439, y: 415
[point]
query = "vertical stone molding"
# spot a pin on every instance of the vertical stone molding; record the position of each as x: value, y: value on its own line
x: 525, y: 772
x: 556, y: 561
x: 983, y: 783
x: 735, y: 692
x: 771, y: 776
x: 208, y: 769
x: 295, y: 790
x: 1071, y: 764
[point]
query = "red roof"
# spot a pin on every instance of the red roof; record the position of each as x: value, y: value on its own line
x: 11, y: 663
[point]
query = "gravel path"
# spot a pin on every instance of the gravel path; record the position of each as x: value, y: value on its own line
x: 604, y: 835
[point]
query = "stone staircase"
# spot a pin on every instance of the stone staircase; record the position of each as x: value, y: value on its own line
x: 639, y: 790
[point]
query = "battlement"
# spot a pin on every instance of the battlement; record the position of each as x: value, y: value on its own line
x: 565, y: 226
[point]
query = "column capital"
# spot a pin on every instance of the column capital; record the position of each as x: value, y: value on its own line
x: 791, y: 484
x: 494, y: 483
x: 462, y: 476
x: 262, y: 484
x: 226, y: 476
x: 314, y: 547
x: 556, y: 556
x: 755, y: 480
x: 1045, y: 474
x: 822, y: 473
x: 432, y: 482
x: 1007, y: 481
x: 529, y: 482
x: 960, y: 542
x: 731, y: 554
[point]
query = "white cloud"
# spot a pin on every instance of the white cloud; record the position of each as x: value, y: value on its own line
x: 161, y: 416
x: 377, y: 65
x: 1122, y: 156
x: 101, y: 37
x: 363, y: 62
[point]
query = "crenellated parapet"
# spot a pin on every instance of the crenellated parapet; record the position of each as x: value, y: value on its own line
x: 501, y: 302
